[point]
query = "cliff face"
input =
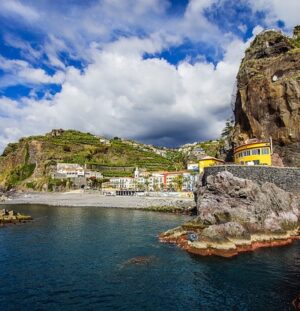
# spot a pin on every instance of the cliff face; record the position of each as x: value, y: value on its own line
x: 268, y: 94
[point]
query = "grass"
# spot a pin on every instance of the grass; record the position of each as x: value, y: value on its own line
x: 19, y: 174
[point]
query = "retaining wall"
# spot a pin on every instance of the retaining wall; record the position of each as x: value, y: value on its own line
x: 287, y: 178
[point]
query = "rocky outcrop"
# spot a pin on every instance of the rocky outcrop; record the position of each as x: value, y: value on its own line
x: 237, y: 215
x: 268, y: 94
x: 12, y: 217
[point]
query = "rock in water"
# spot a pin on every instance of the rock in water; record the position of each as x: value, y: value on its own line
x: 7, y: 217
x: 268, y: 94
x: 140, y: 260
x: 296, y: 303
x: 237, y: 215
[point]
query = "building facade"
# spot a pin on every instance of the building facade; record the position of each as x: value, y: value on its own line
x: 193, y: 167
x: 253, y: 153
x: 74, y: 170
x: 209, y: 161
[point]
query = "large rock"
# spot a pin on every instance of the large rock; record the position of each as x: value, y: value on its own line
x: 268, y: 94
x: 235, y: 215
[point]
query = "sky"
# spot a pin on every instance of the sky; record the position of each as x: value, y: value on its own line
x: 158, y: 71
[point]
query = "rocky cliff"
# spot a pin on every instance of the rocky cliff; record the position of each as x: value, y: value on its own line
x: 268, y: 94
x: 237, y: 215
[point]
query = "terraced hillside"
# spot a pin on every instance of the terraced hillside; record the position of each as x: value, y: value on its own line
x: 32, y: 159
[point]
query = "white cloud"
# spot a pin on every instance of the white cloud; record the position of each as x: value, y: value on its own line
x: 17, y: 8
x: 119, y: 92
x: 21, y: 72
x: 122, y: 94
x: 27, y: 51
x: 287, y: 11
x: 73, y: 31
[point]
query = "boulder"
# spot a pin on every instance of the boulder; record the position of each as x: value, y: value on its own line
x: 236, y: 214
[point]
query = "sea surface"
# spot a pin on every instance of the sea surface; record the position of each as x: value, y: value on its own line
x: 80, y: 259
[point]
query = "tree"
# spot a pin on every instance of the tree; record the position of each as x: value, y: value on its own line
x: 156, y: 187
x: 178, y: 158
x: 228, y: 129
x: 97, y: 182
x: 178, y: 180
x: 147, y: 183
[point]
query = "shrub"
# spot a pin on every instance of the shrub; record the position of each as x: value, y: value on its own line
x: 67, y: 148
x: 19, y: 174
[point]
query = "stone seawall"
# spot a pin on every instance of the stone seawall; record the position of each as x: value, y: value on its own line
x: 287, y: 178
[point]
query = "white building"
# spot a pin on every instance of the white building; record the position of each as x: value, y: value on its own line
x: 193, y: 167
x: 93, y: 174
x: 122, y: 183
x: 74, y: 170
x: 156, y: 181
x: 69, y: 170
x: 104, y: 141
x: 189, y: 181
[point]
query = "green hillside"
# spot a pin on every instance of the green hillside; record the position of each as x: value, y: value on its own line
x: 34, y: 158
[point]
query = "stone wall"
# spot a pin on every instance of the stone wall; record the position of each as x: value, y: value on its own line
x: 287, y: 178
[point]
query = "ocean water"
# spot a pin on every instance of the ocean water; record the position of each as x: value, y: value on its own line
x: 79, y: 259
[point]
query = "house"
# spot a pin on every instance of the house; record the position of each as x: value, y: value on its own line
x: 104, y: 141
x: 198, y: 152
x: 189, y: 181
x: 156, y: 181
x: 74, y: 170
x: 69, y: 170
x: 193, y: 167
x: 122, y: 183
x: 254, y: 152
x: 209, y: 161
x: 93, y: 174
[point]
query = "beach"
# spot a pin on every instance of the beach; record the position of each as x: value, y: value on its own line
x: 86, y: 199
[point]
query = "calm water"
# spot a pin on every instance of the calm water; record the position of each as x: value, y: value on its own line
x: 73, y: 259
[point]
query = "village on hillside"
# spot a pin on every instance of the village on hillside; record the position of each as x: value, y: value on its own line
x: 254, y: 152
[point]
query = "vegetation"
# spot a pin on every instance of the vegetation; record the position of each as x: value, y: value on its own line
x: 117, y: 158
x: 228, y: 129
x: 296, y: 38
x: 97, y: 182
x: 18, y: 174
x: 178, y: 180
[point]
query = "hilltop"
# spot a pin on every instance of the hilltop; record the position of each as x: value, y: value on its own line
x: 32, y: 159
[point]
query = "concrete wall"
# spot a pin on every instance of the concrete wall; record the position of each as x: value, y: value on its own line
x: 287, y: 178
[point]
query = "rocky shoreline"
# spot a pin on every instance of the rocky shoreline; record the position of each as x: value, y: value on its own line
x: 236, y: 215
x: 230, y: 248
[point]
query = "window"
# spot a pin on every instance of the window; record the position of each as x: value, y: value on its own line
x: 246, y: 153
x: 256, y: 162
x: 265, y: 151
x: 255, y: 151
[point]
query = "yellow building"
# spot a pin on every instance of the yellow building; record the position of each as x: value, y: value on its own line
x: 209, y: 161
x: 256, y: 153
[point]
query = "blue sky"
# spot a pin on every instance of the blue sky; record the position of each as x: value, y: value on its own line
x: 159, y: 71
